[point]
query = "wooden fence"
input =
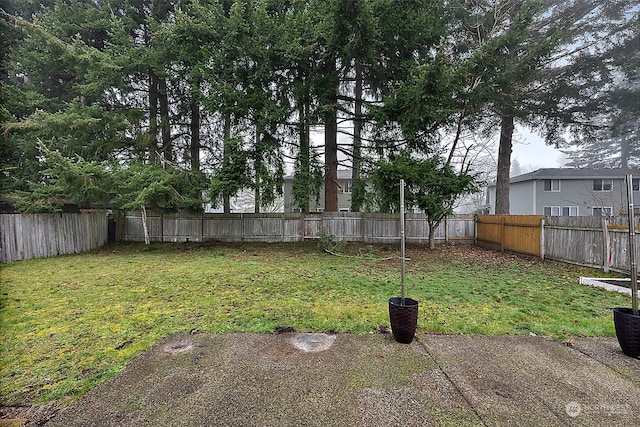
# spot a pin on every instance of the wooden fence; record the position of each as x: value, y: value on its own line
x: 590, y: 241
x: 45, y: 235
x: 598, y: 242
x: 355, y: 227
x: 515, y: 233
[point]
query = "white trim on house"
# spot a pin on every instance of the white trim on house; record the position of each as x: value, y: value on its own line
x: 551, y: 186
x: 602, y: 187
x: 551, y: 210
x: 603, y: 210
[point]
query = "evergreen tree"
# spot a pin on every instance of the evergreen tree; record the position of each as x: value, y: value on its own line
x: 299, y: 47
x: 507, y: 56
x: 431, y: 185
x: 57, y: 71
x: 571, y: 45
x: 612, y: 137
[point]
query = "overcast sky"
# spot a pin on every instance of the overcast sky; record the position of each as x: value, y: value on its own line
x: 529, y: 149
x: 532, y: 153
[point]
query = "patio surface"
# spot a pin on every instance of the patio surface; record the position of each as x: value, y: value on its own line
x: 296, y: 379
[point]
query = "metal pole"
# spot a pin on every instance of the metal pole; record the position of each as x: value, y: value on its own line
x: 402, y: 248
x: 632, y: 248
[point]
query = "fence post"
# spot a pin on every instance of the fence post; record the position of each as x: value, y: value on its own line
x: 475, y: 229
x: 542, y: 239
x: 446, y: 230
x: 606, y: 244
x: 502, y: 233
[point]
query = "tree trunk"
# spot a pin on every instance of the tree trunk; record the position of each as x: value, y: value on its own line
x: 256, y: 197
x: 165, y: 126
x: 356, y: 184
x: 153, y: 116
x: 194, y: 149
x: 432, y: 235
x: 143, y: 211
x: 625, y: 151
x: 331, y: 146
x: 331, y: 163
x: 504, y: 165
x: 226, y: 199
x: 304, y: 161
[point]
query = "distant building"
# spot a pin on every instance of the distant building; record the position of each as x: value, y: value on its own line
x: 569, y: 192
x: 244, y: 202
x: 344, y: 183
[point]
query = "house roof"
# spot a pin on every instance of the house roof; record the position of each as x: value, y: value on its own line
x: 573, y: 173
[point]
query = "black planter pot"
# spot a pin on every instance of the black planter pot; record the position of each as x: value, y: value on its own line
x: 404, y: 319
x: 627, y: 330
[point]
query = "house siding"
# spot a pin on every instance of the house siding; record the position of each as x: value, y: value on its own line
x: 579, y: 193
x: 527, y: 195
x: 344, y: 194
x: 521, y: 201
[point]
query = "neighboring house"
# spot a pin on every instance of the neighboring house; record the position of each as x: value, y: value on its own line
x: 244, y: 202
x: 344, y: 184
x: 570, y: 192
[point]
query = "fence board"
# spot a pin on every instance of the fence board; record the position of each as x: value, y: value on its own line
x: 263, y: 228
x: 348, y: 226
x: 226, y: 228
x: 45, y: 235
x: 516, y: 233
x: 459, y: 227
x: 293, y: 228
x: 383, y: 228
x: 523, y: 233
x: 619, y: 255
x: 576, y: 239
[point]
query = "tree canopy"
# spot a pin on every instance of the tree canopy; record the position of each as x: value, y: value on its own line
x: 236, y: 93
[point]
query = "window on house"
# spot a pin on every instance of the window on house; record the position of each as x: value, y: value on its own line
x: 635, y: 182
x: 636, y: 211
x: 552, y: 185
x: 597, y: 211
x: 602, y: 184
x: 551, y: 210
x: 345, y: 186
x: 569, y: 211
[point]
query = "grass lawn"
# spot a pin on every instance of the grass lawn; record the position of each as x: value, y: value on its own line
x: 68, y: 323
